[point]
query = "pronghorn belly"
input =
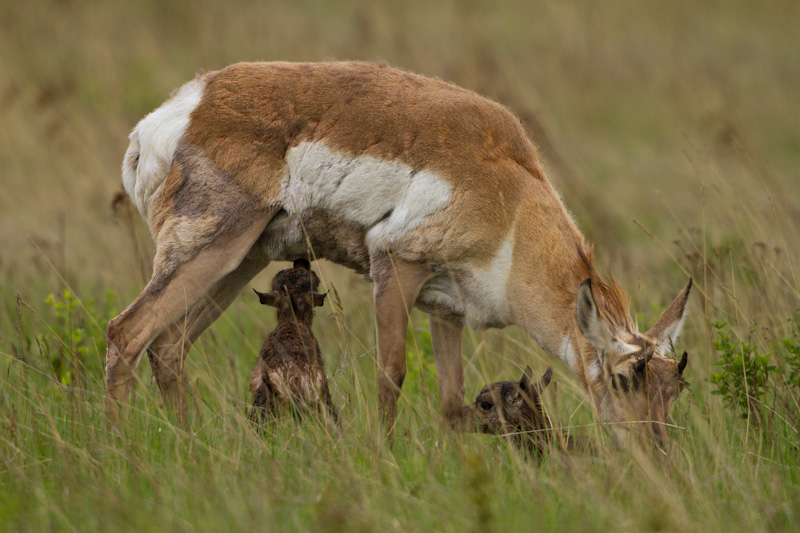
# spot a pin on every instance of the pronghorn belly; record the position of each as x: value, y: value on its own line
x: 288, y: 237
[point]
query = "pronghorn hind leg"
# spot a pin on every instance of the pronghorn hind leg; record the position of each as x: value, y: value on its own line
x: 182, y: 277
x: 397, y: 285
x: 446, y: 340
x: 168, y: 351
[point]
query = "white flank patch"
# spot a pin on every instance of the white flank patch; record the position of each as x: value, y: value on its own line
x: 363, y: 190
x: 155, y: 140
x: 566, y: 353
x: 487, y: 298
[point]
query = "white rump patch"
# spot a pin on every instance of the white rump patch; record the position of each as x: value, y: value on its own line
x: 153, y: 144
x: 387, y: 196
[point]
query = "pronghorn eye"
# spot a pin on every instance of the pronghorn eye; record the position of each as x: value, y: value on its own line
x: 486, y: 406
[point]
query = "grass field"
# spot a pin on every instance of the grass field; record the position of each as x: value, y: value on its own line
x: 673, y: 133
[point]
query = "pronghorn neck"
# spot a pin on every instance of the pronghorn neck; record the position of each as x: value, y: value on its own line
x: 549, y: 264
x: 555, y: 327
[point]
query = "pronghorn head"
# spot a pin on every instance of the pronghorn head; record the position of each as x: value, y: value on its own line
x: 294, y: 293
x: 637, y: 382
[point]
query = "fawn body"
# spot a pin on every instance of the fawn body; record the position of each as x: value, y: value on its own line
x: 290, y: 373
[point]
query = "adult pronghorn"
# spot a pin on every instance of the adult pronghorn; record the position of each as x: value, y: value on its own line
x: 432, y: 190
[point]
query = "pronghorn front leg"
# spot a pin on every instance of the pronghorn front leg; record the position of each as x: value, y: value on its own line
x: 446, y: 341
x: 397, y: 285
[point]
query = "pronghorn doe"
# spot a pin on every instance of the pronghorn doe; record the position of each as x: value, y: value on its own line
x: 433, y: 191
x: 290, y: 373
x: 512, y: 409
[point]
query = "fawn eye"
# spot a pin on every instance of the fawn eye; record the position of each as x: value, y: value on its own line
x: 486, y: 406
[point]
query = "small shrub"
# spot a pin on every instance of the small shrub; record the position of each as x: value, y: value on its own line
x: 792, y: 345
x: 77, y: 335
x: 749, y: 383
x: 743, y: 379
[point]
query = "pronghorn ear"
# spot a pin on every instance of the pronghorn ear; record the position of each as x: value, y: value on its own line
x: 270, y: 298
x: 319, y: 299
x: 666, y: 329
x: 591, y: 325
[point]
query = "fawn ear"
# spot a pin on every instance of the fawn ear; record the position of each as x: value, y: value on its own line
x: 545, y: 381
x: 270, y: 298
x: 525, y: 381
x: 319, y: 299
x: 526, y: 385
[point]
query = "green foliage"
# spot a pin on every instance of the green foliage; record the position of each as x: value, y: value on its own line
x: 77, y: 335
x: 743, y: 378
x: 754, y: 382
x: 792, y: 359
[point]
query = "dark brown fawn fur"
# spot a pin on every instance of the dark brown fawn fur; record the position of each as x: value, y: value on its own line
x: 512, y: 409
x: 290, y: 373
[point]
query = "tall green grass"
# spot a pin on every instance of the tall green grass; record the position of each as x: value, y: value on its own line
x: 672, y: 133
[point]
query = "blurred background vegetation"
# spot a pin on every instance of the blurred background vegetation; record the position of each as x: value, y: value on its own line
x: 681, y: 115
x: 672, y: 130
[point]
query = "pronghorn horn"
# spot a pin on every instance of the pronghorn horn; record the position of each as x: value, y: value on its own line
x: 682, y: 362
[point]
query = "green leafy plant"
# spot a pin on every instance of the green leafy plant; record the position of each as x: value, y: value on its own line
x: 79, y: 330
x: 792, y: 345
x: 743, y: 376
